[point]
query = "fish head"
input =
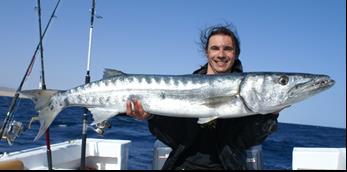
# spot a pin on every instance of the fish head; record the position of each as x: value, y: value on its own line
x: 269, y: 92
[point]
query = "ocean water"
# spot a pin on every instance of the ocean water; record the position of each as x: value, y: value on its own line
x: 277, y: 148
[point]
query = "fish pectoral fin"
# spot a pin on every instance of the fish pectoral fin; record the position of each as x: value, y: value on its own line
x: 214, y: 102
x: 102, y: 114
x: 206, y: 120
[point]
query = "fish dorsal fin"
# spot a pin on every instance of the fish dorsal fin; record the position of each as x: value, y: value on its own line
x: 109, y: 73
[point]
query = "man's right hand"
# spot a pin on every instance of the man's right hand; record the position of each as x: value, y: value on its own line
x: 134, y: 108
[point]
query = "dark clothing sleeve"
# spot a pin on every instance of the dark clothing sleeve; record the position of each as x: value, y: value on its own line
x: 236, y: 135
x: 248, y: 131
x: 173, y: 131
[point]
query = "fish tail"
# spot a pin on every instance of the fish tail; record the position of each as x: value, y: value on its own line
x: 46, y: 117
x: 44, y: 106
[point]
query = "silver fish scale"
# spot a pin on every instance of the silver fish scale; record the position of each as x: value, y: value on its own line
x: 154, y: 91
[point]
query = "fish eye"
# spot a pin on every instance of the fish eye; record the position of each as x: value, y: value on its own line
x: 283, y: 80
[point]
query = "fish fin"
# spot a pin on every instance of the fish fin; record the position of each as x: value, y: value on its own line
x: 40, y: 97
x: 214, y: 102
x: 109, y: 73
x: 101, y: 114
x: 206, y: 120
x: 46, y: 117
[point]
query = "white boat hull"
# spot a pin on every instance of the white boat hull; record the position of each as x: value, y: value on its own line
x: 101, y: 154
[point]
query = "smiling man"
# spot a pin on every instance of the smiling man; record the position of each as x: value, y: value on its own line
x: 221, y: 143
x: 221, y: 53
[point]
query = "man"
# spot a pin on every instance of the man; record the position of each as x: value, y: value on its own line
x: 218, y: 144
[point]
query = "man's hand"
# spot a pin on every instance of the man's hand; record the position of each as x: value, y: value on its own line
x: 134, y: 108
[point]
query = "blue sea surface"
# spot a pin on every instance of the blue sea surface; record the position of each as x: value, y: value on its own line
x: 277, y: 148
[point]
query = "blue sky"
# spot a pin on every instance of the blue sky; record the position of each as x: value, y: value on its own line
x: 161, y: 37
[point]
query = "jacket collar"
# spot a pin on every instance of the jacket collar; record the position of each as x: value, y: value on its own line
x: 236, y: 68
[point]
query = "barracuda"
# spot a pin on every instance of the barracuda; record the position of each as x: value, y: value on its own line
x: 206, y: 97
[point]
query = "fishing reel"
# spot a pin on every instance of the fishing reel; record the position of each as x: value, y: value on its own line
x: 12, y: 131
x: 100, y: 127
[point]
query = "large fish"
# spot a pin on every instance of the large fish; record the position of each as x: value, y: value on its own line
x: 206, y: 97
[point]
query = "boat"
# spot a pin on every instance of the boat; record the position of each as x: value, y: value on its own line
x: 112, y: 154
x: 101, y: 154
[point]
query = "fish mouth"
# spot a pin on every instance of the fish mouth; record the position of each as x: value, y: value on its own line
x: 312, y: 87
x: 320, y: 84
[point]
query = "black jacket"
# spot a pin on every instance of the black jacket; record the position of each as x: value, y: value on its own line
x: 219, y: 144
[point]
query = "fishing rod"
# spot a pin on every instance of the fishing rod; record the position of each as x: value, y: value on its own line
x: 42, y: 77
x: 9, y: 114
x: 87, y: 80
x: 43, y: 87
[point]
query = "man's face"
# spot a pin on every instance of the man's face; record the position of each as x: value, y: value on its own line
x: 220, y: 54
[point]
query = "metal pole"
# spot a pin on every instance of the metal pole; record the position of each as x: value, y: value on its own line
x: 87, y: 80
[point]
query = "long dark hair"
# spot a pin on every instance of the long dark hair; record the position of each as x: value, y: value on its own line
x: 226, y: 29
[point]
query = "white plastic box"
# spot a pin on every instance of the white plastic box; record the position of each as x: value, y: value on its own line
x: 319, y: 158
